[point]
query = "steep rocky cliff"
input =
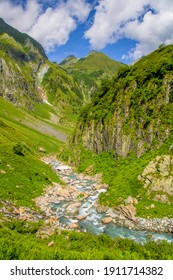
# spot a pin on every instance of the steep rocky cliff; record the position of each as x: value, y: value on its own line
x: 134, y: 112
x: 18, y: 71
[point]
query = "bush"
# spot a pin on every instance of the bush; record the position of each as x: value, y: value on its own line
x: 20, y: 149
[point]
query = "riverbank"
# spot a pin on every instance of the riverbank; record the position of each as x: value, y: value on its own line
x: 74, y: 205
x: 77, y: 201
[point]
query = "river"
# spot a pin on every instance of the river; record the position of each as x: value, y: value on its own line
x: 75, y: 207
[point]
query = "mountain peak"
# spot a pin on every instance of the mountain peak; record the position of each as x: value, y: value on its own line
x: 70, y: 59
x: 92, y: 52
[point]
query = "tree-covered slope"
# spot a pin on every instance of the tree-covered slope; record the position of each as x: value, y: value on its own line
x: 90, y: 70
x: 133, y: 113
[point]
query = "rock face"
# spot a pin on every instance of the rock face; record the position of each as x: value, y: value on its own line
x: 128, y: 211
x: 18, y: 73
x: 134, y: 113
x: 157, y: 178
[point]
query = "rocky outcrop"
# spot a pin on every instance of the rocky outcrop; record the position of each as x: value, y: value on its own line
x: 157, y: 178
x: 128, y: 211
x: 12, y: 211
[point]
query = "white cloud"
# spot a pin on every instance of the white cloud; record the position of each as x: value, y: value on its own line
x: 54, y: 26
x: 17, y: 16
x: 51, y: 27
x: 149, y: 22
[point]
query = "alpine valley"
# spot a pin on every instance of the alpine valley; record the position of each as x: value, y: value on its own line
x: 86, y: 157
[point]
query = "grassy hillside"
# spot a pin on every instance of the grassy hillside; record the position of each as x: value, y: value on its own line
x: 25, y: 40
x: 94, y: 61
x: 63, y: 92
x: 23, y: 175
x: 36, y: 84
x: 74, y: 246
x: 89, y: 71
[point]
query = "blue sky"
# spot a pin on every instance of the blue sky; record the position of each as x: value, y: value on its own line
x: 124, y: 30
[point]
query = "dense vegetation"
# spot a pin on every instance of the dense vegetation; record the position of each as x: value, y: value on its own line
x: 122, y: 177
x: 18, y: 241
x: 63, y: 92
x: 132, y: 112
x: 142, y: 83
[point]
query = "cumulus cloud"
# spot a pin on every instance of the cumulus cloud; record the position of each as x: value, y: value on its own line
x: 19, y: 17
x: 148, y: 22
x: 51, y: 26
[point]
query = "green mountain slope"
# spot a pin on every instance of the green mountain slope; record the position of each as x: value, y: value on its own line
x: 94, y: 61
x: 29, y: 44
x: 71, y: 59
x: 25, y: 74
x: 134, y: 113
x: 89, y: 71
x: 23, y: 175
x: 126, y: 133
x: 18, y: 71
x: 35, y: 96
x: 63, y: 92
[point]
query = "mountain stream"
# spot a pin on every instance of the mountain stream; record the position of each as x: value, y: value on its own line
x: 75, y: 207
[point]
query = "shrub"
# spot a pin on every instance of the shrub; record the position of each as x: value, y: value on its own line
x: 20, y: 149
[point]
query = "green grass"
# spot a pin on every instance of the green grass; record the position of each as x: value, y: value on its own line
x: 18, y: 241
x: 25, y: 176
